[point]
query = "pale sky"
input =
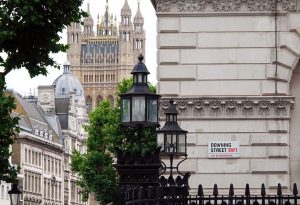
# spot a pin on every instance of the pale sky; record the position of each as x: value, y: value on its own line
x: 20, y: 81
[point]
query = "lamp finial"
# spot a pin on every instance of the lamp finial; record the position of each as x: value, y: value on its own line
x: 141, y: 58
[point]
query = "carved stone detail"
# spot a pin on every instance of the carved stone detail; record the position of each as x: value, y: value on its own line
x: 231, y: 108
x: 225, y: 5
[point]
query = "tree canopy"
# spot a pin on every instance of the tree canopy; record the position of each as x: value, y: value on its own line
x: 95, y: 167
x: 29, y: 33
x: 8, y: 128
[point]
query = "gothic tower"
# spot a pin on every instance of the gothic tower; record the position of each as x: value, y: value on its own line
x: 102, y: 59
x: 74, y: 40
x: 138, y: 33
x: 126, y: 40
x: 88, y: 24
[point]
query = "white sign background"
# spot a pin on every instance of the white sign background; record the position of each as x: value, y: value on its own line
x: 223, y: 149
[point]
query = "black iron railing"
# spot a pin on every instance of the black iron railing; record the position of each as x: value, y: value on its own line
x: 169, y: 196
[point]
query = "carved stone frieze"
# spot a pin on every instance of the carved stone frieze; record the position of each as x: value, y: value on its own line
x: 225, y: 5
x: 231, y: 108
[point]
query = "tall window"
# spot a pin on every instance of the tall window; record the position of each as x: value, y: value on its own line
x: 45, y: 163
x: 89, y: 103
x: 26, y: 179
x: 111, y: 99
x: 59, y: 168
x: 26, y: 155
x: 29, y: 156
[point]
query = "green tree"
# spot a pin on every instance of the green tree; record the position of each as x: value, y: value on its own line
x: 8, y: 128
x: 95, y: 167
x: 29, y: 32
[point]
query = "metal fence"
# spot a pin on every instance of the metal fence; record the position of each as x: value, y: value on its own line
x: 174, y: 195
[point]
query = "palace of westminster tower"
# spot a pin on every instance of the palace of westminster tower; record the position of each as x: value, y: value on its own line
x: 101, y: 59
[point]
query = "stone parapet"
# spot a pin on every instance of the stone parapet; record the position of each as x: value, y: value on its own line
x: 225, y: 6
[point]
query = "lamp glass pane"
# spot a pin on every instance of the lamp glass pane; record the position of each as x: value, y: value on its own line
x: 182, y: 143
x: 138, y: 109
x: 14, y: 198
x: 126, y: 110
x: 160, y: 140
x: 174, y: 142
x: 168, y: 143
x: 140, y: 78
x: 134, y: 78
x: 152, y: 110
x: 171, y: 143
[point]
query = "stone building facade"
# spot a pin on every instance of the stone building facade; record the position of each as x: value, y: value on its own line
x: 102, y: 58
x: 233, y: 68
x: 4, y: 197
x: 51, y: 127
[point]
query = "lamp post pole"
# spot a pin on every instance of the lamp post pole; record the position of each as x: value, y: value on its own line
x: 139, y: 111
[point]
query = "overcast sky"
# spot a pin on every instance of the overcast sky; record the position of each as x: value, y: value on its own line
x: 20, y: 81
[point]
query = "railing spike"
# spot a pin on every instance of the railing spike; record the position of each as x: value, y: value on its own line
x: 295, y: 190
x: 263, y: 190
x: 200, y: 190
x: 215, y: 192
x: 231, y: 190
x: 247, y: 190
x: 279, y: 190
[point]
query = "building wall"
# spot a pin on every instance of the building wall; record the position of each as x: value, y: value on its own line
x: 218, y: 61
x: 4, y: 197
x: 41, y: 167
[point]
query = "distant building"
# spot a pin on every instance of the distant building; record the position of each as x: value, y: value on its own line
x: 51, y: 127
x: 102, y: 58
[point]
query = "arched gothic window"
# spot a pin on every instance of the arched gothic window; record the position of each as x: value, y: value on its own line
x: 99, y: 99
x: 89, y: 103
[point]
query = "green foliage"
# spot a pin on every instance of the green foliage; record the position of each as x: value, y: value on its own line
x: 104, y: 134
x: 29, y: 32
x: 8, y: 129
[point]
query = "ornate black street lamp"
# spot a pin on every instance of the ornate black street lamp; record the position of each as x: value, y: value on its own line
x: 139, y: 106
x: 14, y: 194
x: 172, y: 138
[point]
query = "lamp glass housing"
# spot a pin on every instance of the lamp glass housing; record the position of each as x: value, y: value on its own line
x: 172, y: 143
x: 139, y: 106
x: 15, y: 199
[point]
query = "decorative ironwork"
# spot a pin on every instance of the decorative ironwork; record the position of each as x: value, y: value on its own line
x: 161, y: 196
x: 137, y: 169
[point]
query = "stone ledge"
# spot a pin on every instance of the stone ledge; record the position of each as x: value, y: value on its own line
x: 227, y: 6
x: 267, y: 107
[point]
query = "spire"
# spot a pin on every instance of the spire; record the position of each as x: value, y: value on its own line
x: 138, y: 18
x: 126, y: 11
x: 106, y: 15
x: 88, y: 8
x: 89, y: 17
x: 88, y: 22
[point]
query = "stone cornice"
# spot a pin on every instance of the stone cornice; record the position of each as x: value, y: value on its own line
x: 265, y: 107
x: 224, y: 6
